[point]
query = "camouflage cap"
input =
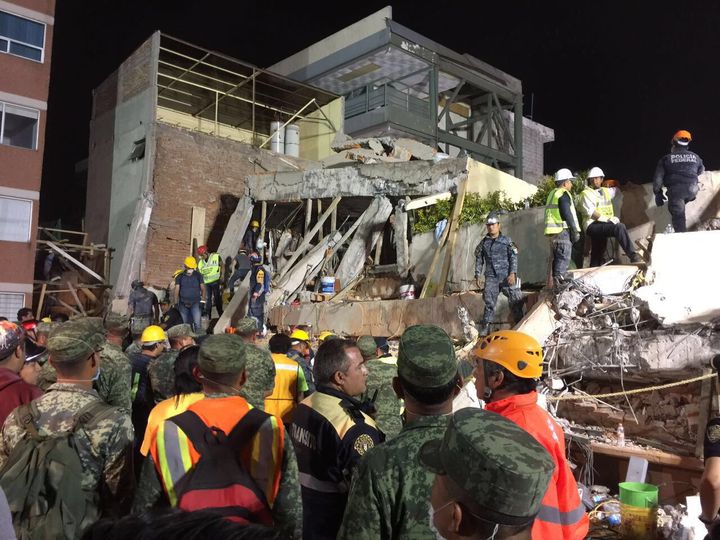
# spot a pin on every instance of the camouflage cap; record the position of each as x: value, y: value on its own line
x: 260, y: 375
x: 426, y: 357
x: 367, y: 346
x: 222, y: 353
x: 44, y: 327
x: 180, y: 330
x: 482, y: 450
x: 246, y: 324
x: 116, y: 321
x: 76, y: 339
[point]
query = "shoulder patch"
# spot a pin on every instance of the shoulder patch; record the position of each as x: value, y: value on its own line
x: 514, y: 247
x: 363, y: 443
x: 713, y: 433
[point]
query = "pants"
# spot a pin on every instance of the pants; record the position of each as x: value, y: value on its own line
x: 190, y: 313
x: 678, y: 196
x: 562, y: 251
x: 256, y: 310
x: 578, y: 251
x: 214, y: 294
x: 600, y: 232
x: 493, y: 287
x: 238, y: 275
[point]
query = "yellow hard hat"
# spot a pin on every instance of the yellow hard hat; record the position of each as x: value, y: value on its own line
x: 255, y: 223
x: 519, y: 353
x: 153, y: 334
x: 190, y: 262
x: 325, y: 334
x: 300, y: 334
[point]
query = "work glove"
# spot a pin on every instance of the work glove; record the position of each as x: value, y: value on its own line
x: 659, y: 199
x: 574, y: 236
x: 614, y: 220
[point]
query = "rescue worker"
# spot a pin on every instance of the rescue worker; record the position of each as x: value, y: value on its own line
x: 498, y: 255
x: 249, y: 241
x: 242, y: 267
x: 331, y: 433
x: 188, y: 292
x: 390, y: 493
x: 561, y: 223
x: 272, y: 464
x: 261, y: 373
x: 170, y: 315
x: 143, y: 306
x: 300, y: 352
x: 678, y: 171
x: 490, y: 478
x: 710, y: 481
x: 160, y: 369
x: 598, y: 218
x: 508, y: 365
x: 246, y: 329
x: 13, y: 390
x: 381, y: 372
x: 259, y: 287
x: 290, y: 384
x: 210, y: 266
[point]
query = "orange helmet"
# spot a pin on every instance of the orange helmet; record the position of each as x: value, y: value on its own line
x: 519, y: 353
x: 682, y: 137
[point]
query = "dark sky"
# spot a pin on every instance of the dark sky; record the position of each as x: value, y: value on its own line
x: 614, y: 79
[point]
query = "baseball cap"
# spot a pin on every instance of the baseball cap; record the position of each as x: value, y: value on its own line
x: 246, y: 324
x: 223, y: 353
x: 180, y: 330
x: 116, y: 321
x: 426, y: 357
x: 260, y: 374
x: 76, y: 339
x: 500, y: 466
x: 368, y: 347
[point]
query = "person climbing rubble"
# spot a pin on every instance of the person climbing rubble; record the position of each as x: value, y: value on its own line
x: 259, y: 287
x: 249, y: 241
x: 497, y: 254
x: 598, y: 218
x: 561, y: 223
x: 210, y: 266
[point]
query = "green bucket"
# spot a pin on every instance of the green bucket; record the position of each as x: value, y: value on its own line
x: 638, y: 494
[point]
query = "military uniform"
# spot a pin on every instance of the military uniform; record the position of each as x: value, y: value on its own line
x: 678, y: 171
x: 498, y: 256
x: 105, y: 451
x: 391, y: 490
x: 260, y: 376
x: 161, y: 375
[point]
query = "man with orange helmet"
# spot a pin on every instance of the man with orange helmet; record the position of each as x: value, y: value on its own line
x: 507, y: 367
x: 678, y: 171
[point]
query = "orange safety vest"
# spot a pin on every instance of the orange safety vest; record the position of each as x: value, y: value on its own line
x: 562, y: 514
x: 284, y: 398
x: 174, y: 455
x: 164, y: 410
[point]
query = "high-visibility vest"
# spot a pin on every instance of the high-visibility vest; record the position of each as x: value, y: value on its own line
x: 284, y: 397
x: 174, y: 455
x: 554, y: 223
x: 210, y: 269
x: 562, y: 514
x: 600, y: 199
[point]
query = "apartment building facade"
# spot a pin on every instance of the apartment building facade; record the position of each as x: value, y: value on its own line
x: 26, y: 32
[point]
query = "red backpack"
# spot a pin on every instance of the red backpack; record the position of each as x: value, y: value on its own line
x: 218, y: 482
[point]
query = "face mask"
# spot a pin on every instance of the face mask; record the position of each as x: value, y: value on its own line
x: 431, y: 520
x: 188, y: 272
x: 97, y: 376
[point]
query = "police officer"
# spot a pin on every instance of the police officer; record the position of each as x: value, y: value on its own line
x: 562, y: 227
x: 710, y: 482
x: 678, y: 171
x: 259, y: 287
x: 498, y: 255
x: 143, y: 306
x: 331, y: 433
x: 210, y: 266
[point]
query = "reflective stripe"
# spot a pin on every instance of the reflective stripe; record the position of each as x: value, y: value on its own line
x: 135, y: 386
x: 210, y: 269
x: 282, y: 367
x: 550, y: 514
x: 310, y: 482
x: 554, y: 223
x: 174, y: 457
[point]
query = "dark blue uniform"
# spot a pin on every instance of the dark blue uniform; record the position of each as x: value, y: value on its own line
x: 260, y: 284
x: 499, y: 258
x: 678, y: 171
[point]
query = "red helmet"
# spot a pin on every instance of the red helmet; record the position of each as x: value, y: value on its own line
x: 202, y: 250
x: 29, y: 325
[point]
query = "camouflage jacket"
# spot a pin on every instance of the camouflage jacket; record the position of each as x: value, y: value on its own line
x: 260, y: 380
x: 105, y: 452
x: 161, y: 372
x: 380, y: 375
x: 390, y: 494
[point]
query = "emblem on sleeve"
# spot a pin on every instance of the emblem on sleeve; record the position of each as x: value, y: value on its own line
x: 713, y: 433
x: 364, y: 443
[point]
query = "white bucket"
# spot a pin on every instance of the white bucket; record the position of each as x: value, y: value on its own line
x: 327, y: 285
x: 407, y: 292
x: 292, y: 140
x: 277, y: 141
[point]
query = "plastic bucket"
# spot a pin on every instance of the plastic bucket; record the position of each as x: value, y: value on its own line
x: 327, y: 285
x: 638, y: 509
x: 407, y: 292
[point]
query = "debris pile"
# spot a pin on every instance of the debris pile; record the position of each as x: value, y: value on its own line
x: 379, y: 150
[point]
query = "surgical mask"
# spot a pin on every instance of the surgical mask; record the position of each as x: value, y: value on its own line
x: 431, y: 520
x: 188, y: 272
x: 97, y: 376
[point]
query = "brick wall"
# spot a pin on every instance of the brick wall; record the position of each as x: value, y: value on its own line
x: 195, y: 169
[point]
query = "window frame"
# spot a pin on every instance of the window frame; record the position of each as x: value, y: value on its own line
x: 14, y: 293
x: 36, y: 142
x: 11, y: 40
x: 30, y: 221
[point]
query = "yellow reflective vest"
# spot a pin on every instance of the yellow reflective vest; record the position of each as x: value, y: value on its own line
x: 285, y: 393
x: 600, y: 199
x: 554, y: 223
x: 210, y: 269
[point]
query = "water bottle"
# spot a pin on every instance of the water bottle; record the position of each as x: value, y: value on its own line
x: 620, y: 435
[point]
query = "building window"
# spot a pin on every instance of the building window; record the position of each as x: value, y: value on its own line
x: 21, y: 37
x: 15, y: 219
x: 19, y: 126
x: 10, y: 304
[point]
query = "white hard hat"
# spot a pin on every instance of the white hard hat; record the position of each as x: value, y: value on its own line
x: 595, y: 172
x: 563, y: 174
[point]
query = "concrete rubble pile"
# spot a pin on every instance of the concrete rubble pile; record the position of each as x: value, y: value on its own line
x: 378, y: 150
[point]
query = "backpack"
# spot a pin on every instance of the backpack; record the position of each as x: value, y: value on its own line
x: 41, y: 478
x: 218, y: 482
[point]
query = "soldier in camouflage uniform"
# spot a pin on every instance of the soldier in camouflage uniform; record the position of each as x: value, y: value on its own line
x: 161, y: 369
x: 497, y: 253
x: 42, y: 331
x: 113, y: 385
x: 105, y: 451
x: 247, y: 329
x: 491, y: 477
x: 389, y: 496
x: 260, y: 376
x: 381, y: 372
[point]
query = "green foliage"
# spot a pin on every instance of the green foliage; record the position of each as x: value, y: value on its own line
x: 547, y: 184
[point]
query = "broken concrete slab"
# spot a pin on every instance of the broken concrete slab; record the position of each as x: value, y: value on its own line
x: 607, y: 280
x: 683, y: 289
x: 410, y: 147
x: 541, y: 321
x: 235, y: 229
x: 236, y: 308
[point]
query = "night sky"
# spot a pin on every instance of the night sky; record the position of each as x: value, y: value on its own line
x: 614, y: 80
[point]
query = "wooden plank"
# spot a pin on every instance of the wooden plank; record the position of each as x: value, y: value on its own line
x: 236, y: 308
x: 197, y: 228
x: 452, y: 238
x: 235, y: 229
x: 308, y: 216
x: 263, y: 219
x: 76, y: 297
x: 87, y: 292
x: 423, y: 202
x: 378, y: 247
x: 319, y: 213
x: 41, y: 300
x: 705, y: 399
x: 73, y: 260
x: 68, y: 306
x: 346, y: 290
x: 402, y: 249
x: 429, y: 286
x: 333, y: 221
x: 653, y: 456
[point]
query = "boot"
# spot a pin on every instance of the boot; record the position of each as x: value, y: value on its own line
x: 635, y: 258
